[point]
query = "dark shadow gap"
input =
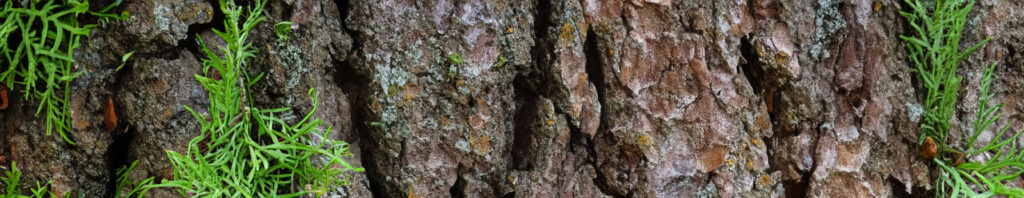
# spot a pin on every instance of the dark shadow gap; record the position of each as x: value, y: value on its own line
x: 355, y: 85
x: 800, y: 187
x: 594, y: 66
x: 595, y: 75
x: 118, y: 156
x: 539, y: 52
x: 526, y: 90
x: 525, y: 117
x: 99, y: 5
x: 750, y: 65
x: 898, y: 190
x: 191, y: 41
x: 458, y: 188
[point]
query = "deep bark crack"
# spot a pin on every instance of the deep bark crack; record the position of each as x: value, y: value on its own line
x: 356, y: 86
x: 595, y: 76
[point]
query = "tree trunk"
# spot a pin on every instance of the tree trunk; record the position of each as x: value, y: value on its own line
x: 559, y: 98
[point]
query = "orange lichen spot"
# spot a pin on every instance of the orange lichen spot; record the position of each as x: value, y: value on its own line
x: 511, y: 178
x: 483, y: 144
x: 412, y: 193
x: 208, y: 12
x: 765, y: 180
x: 109, y: 115
x: 510, y: 29
x: 550, y: 122
x: 611, y: 51
x: 730, y: 161
x: 168, y: 113
x: 758, y: 143
x: 460, y: 83
x: 782, y: 57
x: 877, y: 5
x: 445, y: 122
x: 408, y: 96
x: 644, y: 140
x: 567, y: 33
x: 928, y: 148
x: 408, y: 92
x: 3, y: 97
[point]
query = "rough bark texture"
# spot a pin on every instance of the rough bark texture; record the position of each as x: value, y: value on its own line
x: 559, y: 98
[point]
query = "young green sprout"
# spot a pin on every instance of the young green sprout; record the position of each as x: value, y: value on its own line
x: 456, y: 60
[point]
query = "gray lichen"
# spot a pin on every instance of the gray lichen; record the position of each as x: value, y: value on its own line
x: 710, y: 191
x: 827, y: 23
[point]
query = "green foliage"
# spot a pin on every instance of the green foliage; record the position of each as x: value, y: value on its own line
x: 12, y: 180
x: 989, y: 176
x: 124, y: 60
x: 244, y: 151
x: 105, y: 17
x: 935, y: 52
x: 48, y: 34
x: 122, y: 181
x: 456, y: 60
x: 37, y: 42
x: 283, y: 29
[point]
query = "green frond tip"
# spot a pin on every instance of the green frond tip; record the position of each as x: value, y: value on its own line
x: 122, y: 181
x: 283, y: 30
x: 124, y: 60
x: 12, y: 179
